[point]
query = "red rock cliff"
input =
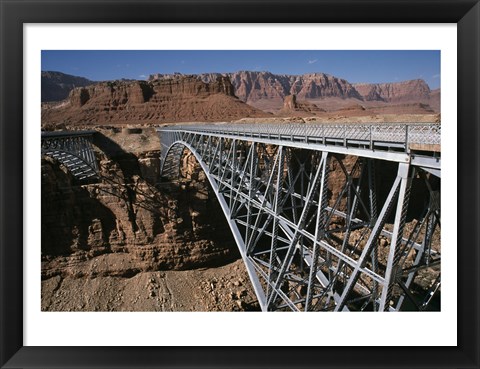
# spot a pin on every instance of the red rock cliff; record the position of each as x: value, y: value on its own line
x: 394, y: 92
x: 179, y: 98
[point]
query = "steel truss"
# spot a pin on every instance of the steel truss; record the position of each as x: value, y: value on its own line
x: 74, y: 150
x: 305, y: 248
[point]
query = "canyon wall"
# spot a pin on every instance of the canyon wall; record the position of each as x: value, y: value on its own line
x: 267, y: 90
x: 253, y: 86
x: 394, y: 92
x: 135, y: 222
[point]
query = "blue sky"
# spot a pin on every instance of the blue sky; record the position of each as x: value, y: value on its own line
x: 372, y: 66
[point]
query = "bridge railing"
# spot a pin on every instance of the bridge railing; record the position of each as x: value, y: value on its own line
x: 56, y: 134
x: 367, y: 135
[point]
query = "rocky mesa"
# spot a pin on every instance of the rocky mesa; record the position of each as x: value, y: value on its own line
x: 208, y: 97
x: 180, y: 98
x: 394, y: 92
x: 267, y: 91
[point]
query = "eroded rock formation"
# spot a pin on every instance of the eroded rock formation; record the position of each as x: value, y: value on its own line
x: 179, y: 98
x: 394, y: 92
x: 232, y: 96
x: 292, y: 106
x: 267, y: 91
x: 129, y: 220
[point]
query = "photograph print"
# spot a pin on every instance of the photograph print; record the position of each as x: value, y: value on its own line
x: 240, y: 180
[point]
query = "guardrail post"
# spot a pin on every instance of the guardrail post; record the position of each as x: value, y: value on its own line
x: 406, y: 137
x: 371, y: 137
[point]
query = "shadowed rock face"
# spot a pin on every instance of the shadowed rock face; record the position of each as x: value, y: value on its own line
x: 56, y: 85
x: 136, y: 222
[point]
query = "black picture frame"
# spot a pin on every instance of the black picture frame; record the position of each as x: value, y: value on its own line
x: 465, y: 13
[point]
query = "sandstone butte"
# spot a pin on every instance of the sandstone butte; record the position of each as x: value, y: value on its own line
x: 140, y: 102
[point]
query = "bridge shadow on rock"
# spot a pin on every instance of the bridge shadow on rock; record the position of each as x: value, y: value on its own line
x: 122, y: 172
x: 71, y: 219
x: 189, y: 206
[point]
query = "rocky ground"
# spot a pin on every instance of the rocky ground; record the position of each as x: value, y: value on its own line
x: 225, y: 288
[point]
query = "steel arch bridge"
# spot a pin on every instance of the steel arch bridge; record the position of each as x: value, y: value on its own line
x: 305, y: 207
x: 74, y: 150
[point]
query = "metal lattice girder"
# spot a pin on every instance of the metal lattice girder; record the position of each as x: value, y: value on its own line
x: 74, y: 150
x: 305, y: 249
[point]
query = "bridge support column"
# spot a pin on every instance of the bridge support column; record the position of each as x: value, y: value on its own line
x: 394, y: 253
x: 400, y: 190
x: 298, y: 230
x: 319, y: 232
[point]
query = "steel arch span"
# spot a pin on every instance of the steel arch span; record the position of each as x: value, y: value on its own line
x: 320, y: 222
x: 74, y: 150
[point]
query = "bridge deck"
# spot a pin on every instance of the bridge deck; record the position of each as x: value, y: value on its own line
x: 51, y: 134
x: 394, y: 142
